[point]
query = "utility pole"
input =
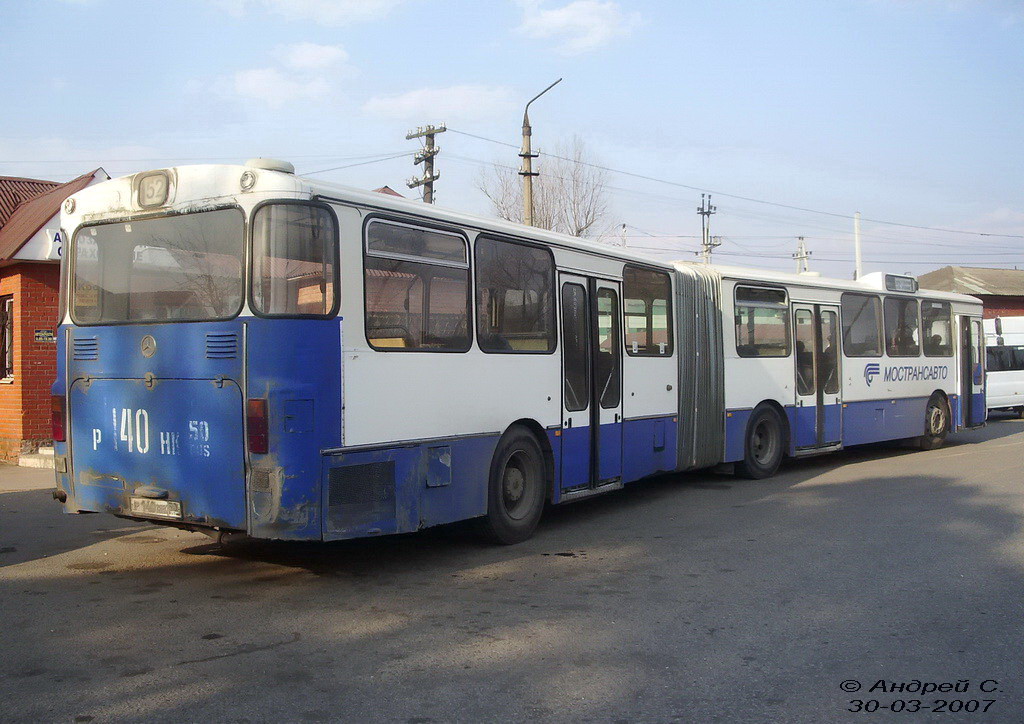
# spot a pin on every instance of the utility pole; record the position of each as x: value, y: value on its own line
x: 707, y: 243
x: 801, y: 255
x: 528, y: 155
x: 856, y: 246
x: 426, y: 157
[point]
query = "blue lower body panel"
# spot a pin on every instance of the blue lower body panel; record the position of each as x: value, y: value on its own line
x: 177, y: 441
x: 878, y: 420
x: 649, y: 447
x: 978, y: 410
x: 736, y: 433
x: 803, y: 422
x: 402, y: 489
x: 804, y: 426
x: 609, y: 464
x: 575, y: 457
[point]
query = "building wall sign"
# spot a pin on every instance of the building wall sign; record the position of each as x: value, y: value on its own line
x: 56, y: 244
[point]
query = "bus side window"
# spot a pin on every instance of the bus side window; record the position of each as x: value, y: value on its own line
x: 862, y: 325
x: 416, y: 283
x: 648, y: 321
x: 761, y: 322
x: 515, y: 311
x: 937, y: 328
x: 901, y: 327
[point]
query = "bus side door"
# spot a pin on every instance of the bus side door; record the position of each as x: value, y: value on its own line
x: 576, y: 382
x: 607, y: 392
x: 972, y: 372
x: 591, y: 447
x: 818, y: 382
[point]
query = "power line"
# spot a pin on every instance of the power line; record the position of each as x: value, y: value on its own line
x: 182, y: 158
x: 749, y: 198
x: 362, y: 163
x: 869, y: 237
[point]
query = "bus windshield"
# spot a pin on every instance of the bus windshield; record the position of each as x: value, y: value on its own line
x: 174, y: 268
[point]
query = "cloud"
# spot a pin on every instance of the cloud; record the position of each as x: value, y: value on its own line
x: 304, y: 72
x: 275, y: 88
x: 1009, y: 11
x: 579, y: 27
x: 322, y: 12
x: 1000, y: 220
x: 312, y: 57
x: 465, y: 102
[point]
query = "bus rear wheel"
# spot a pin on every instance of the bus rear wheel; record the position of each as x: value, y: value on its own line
x: 516, y: 488
x: 936, y: 423
x: 764, y: 445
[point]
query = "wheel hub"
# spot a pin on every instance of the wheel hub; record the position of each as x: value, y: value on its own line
x: 515, y: 483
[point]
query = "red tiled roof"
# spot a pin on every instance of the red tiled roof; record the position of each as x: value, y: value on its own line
x: 27, y: 216
x: 15, y: 191
x: 388, y: 191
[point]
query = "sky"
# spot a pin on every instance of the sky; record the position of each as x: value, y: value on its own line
x: 793, y: 115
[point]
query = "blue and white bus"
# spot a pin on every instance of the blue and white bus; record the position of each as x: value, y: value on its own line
x: 245, y: 350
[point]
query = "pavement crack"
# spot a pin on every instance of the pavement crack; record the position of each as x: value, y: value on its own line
x: 244, y: 650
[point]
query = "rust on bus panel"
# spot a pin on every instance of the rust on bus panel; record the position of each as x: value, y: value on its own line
x: 271, y: 515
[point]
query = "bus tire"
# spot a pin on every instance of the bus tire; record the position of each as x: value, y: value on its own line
x: 516, y: 488
x: 936, y: 423
x: 764, y: 445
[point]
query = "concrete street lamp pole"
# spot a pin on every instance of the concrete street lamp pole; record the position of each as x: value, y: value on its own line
x: 528, y: 155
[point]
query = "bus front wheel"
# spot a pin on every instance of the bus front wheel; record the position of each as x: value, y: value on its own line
x: 764, y: 445
x: 516, y: 489
x: 936, y: 423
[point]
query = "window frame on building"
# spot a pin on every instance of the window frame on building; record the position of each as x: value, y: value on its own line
x: 7, y: 338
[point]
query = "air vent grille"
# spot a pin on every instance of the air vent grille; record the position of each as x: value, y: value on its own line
x: 221, y: 345
x: 361, y: 496
x: 86, y: 348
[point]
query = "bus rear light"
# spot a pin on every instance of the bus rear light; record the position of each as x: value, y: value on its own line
x: 256, y: 425
x: 57, y: 417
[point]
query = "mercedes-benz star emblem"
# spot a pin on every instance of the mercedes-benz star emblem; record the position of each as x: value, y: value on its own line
x: 148, y: 346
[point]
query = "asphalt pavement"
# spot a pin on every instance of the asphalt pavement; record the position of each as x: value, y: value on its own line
x: 696, y: 597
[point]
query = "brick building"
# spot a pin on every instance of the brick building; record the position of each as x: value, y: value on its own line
x: 1001, y: 290
x: 30, y: 249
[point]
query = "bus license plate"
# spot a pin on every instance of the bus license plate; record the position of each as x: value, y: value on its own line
x: 157, y: 508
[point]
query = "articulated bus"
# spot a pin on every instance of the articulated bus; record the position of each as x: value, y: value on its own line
x: 246, y: 351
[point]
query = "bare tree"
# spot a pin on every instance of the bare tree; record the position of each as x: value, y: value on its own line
x: 569, y: 196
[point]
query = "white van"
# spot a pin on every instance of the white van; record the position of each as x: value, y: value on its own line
x: 1004, y: 363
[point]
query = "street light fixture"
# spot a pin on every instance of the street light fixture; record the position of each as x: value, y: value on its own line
x: 527, y: 155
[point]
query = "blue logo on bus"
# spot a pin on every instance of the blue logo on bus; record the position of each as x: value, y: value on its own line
x: 870, y: 371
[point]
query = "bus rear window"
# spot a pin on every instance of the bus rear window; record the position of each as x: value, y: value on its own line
x: 173, y: 268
